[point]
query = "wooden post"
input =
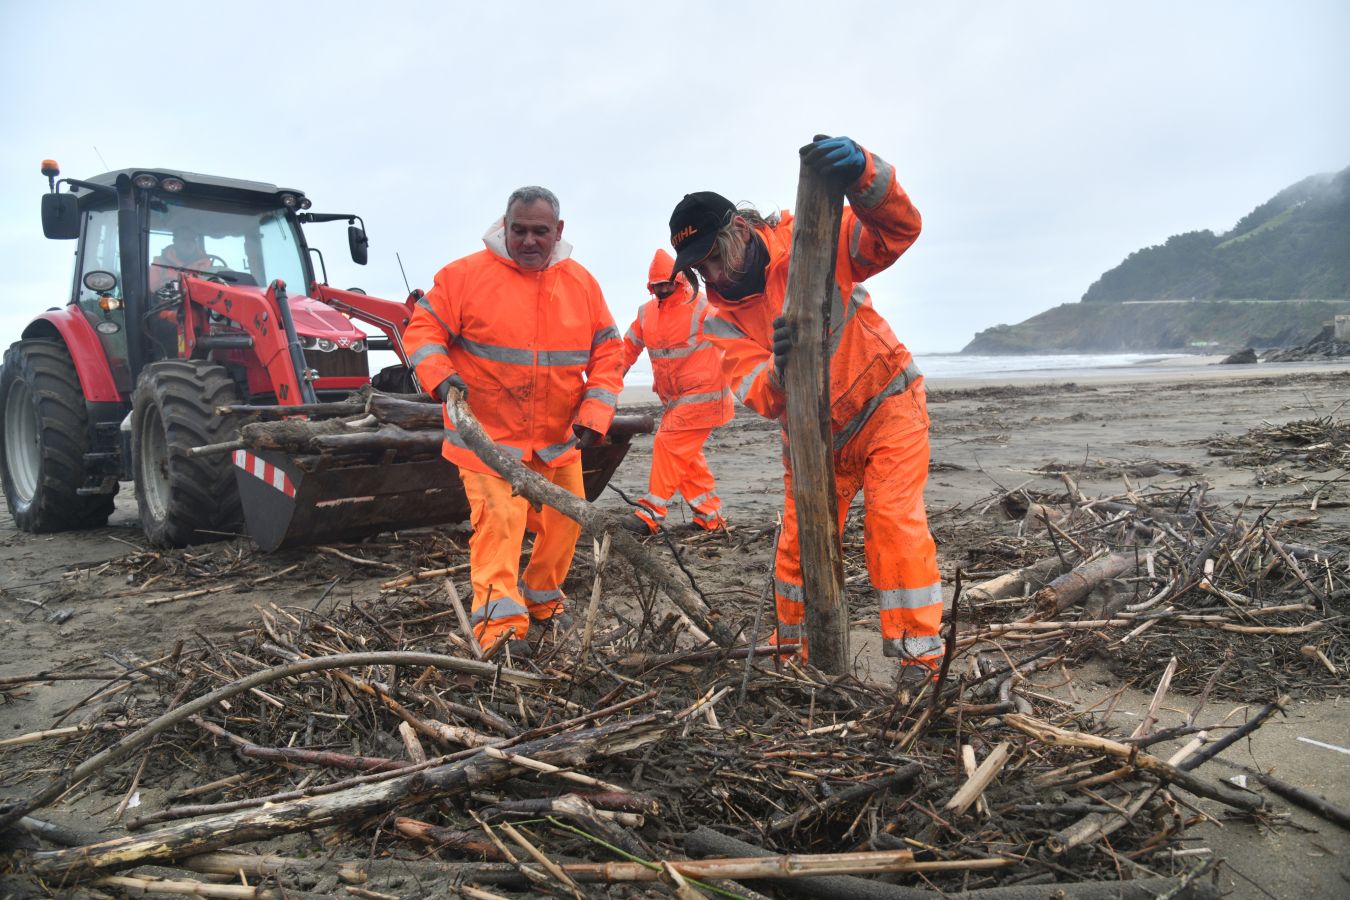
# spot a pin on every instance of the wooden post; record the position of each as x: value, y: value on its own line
x: 815, y: 237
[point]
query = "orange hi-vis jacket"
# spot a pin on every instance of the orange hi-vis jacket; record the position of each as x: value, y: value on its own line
x: 686, y: 366
x: 539, y: 351
x: 867, y: 362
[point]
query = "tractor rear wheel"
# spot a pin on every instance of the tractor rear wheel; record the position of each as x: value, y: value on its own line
x: 184, y: 499
x: 44, y: 439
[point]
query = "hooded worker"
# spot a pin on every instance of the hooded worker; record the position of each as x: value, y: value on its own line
x: 522, y: 331
x: 185, y: 252
x: 687, y: 371
x: 878, y: 414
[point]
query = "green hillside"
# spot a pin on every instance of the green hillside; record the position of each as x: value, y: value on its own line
x: 1296, y: 245
x: 1274, y: 280
x: 1203, y: 326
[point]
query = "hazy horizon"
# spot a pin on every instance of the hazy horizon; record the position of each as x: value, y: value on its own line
x: 1043, y: 142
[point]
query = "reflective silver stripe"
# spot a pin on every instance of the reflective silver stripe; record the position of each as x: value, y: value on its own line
x: 653, y: 500
x: 856, y: 298
x: 855, y: 239
x: 424, y: 303
x: 910, y: 598
x: 501, y: 608
x: 677, y: 352
x: 899, y: 384
x: 540, y: 595
x: 749, y: 380
x: 609, y: 398
x: 698, y: 398
x: 925, y: 647
x: 789, y: 632
x: 608, y: 333
x: 453, y: 438
x: 793, y: 592
x: 426, y: 350
x: 514, y: 355
x: 837, y: 310
x: 702, y: 498
x: 873, y: 196
x: 553, y: 451
x: 565, y: 357
x: 631, y: 336
x: 719, y: 327
x: 693, y: 316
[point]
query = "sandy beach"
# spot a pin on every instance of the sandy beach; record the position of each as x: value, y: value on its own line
x: 80, y: 599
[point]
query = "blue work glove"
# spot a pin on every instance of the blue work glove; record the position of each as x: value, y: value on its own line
x: 837, y: 157
x: 586, y: 437
x: 454, y: 381
x: 782, y: 346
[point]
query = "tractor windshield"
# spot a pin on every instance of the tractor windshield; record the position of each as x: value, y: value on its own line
x: 240, y: 244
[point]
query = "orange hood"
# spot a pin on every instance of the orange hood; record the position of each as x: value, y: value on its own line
x: 662, y: 265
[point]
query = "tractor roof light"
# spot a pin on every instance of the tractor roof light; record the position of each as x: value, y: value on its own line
x: 304, y: 203
x: 172, y: 185
x: 290, y: 200
x: 145, y: 181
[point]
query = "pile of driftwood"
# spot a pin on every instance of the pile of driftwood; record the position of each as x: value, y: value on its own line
x: 1157, y: 573
x: 625, y: 751
x: 1319, y: 444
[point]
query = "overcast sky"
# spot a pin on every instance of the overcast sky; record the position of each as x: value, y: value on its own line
x: 1042, y: 141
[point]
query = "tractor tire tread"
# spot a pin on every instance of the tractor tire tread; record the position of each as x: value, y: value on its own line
x: 203, y: 496
x: 63, y: 433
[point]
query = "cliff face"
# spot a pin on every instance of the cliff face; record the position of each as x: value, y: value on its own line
x: 1195, y: 290
x: 1214, y: 326
x: 1296, y: 245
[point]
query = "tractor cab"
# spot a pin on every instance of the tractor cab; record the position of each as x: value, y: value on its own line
x: 235, y: 233
x: 195, y: 310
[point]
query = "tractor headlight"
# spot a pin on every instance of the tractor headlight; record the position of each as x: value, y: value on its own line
x: 326, y: 346
x: 358, y: 346
x: 172, y: 185
x: 145, y: 181
x: 290, y: 201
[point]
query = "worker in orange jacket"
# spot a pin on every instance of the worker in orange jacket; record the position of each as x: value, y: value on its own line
x: 879, y: 418
x: 185, y: 252
x: 522, y: 331
x: 687, y: 371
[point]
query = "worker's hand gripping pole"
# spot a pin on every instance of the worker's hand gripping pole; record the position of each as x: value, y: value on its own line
x: 815, y: 236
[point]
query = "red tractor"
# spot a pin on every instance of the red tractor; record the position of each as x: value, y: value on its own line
x: 184, y: 304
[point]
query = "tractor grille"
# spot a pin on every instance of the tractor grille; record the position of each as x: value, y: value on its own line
x: 338, y: 363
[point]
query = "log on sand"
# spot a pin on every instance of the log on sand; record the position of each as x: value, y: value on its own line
x: 539, y: 490
x: 569, y: 749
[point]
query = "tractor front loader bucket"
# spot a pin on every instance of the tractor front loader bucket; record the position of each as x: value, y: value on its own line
x: 291, y: 501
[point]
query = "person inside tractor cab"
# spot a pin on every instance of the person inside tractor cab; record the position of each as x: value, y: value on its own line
x: 186, y: 252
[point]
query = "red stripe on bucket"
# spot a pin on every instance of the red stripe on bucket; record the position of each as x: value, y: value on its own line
x: 264, y: 471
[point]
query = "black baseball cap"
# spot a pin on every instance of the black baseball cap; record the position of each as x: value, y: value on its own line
x: 694, y: 225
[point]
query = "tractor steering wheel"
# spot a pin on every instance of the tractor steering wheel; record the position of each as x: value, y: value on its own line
x: 217, y: 261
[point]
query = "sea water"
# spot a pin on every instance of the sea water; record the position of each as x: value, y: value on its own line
x: 937, y: 366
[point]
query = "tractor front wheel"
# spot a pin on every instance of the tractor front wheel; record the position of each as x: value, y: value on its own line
x: 184, y: 499
x: 44, y: 439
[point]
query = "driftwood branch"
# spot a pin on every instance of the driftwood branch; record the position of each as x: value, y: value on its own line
x: 132, y: 742
x: 815, y: 239
x: 567, y: 749
x: 538, y: 489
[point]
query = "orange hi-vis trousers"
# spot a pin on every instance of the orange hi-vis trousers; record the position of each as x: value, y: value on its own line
x: 678, y: 464
x: 888, y: 460
x: 503, y: 599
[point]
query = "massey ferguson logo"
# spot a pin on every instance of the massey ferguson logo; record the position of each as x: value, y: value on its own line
x: 344, y: 343
x: 682, y: 235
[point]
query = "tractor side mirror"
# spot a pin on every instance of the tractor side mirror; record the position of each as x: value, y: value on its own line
x: 61, y: 216
x: 359, y: 244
